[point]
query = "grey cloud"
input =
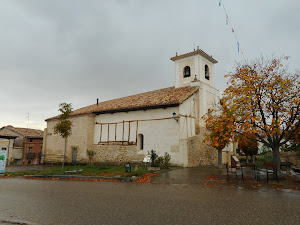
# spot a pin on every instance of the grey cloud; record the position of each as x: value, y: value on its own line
x: 77, y: 51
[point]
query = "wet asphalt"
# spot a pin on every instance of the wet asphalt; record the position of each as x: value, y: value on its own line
x: 175, y: 197
x: 190, y: 176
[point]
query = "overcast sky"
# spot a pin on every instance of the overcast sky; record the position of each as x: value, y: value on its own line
x: 77, y: 51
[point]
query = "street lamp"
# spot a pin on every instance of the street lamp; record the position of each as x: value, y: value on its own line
x: 174, y: 117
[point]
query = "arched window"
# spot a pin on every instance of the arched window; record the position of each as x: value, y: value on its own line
x: 187, y: 71
x: 140, y: 142
x: 206, y: 72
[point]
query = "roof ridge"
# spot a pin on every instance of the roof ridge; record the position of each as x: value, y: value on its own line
x: 136, y: 94
x: 25, y: 128
x: 122, y: 97
x: 27, y: 132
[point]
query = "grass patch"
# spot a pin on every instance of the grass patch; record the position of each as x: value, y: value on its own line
x: 107, y: 171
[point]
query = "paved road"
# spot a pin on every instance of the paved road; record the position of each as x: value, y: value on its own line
x: 87, y: 202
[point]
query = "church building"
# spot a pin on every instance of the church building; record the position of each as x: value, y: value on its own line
x: 164, y: 120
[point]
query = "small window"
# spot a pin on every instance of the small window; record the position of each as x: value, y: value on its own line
x: 206, y: 72
x: 140, y: 142
x: 187, y: 71
x: 30, y: 149
x: 3, y: 149
x: 30, y: 140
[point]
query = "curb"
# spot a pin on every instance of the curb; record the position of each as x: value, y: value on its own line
x: 126, y: 179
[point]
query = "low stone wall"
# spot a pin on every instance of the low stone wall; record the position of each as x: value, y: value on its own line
x: 199, y: 153
x: 290, y: 157
x: 115, y: 154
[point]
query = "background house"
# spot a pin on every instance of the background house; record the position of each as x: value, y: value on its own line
x: 27, y: 146
x: 166, y: 120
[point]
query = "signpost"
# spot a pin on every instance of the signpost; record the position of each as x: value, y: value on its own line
x: 147, y: 160
x: 3, y: 155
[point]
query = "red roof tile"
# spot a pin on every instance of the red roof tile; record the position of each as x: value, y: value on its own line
x: 161, y: 98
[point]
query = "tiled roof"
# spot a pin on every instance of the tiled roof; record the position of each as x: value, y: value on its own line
x: 27, y: 132
x: 195, y: 52
x: 161, y: 98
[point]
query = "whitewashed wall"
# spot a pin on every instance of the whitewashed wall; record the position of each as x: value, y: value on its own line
x: 197, y: 65
x: 188, y: 114
x: 159, y: 135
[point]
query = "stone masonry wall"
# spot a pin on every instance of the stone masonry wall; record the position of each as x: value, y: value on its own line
x: 81, y: 139
x: 115, y: 154
x: 199, y: 153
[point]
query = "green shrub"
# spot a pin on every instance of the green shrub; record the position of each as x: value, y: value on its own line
x: 159, y: 161
x: 163, y: 161
x: 90, y: 154
x: 167, y: 159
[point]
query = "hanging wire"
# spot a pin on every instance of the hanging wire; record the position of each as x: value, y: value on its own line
x: 228, y: 22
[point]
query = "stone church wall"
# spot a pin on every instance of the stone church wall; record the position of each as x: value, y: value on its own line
x: 115, y: 154
x: 199, y: 153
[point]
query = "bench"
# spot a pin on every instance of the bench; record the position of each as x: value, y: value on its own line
x: 235, y: 165
x: 287, y: 165
x: 297, y: 172
x: 273, y: 170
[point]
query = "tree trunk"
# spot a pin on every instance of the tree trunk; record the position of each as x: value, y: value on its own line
x: 220, y: 159
x: 276, y: 158
x: 247, y: 159
x: 252, y: 158
x: 63, y: 164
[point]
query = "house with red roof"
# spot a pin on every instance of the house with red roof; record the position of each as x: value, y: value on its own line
x: 165, y: 120
x: 27, y: 145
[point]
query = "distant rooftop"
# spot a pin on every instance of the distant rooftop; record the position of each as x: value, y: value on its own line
x: 195, y: 52
x: 27, y: 132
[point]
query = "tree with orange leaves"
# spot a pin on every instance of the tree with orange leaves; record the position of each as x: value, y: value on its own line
x: 263, y: 98
x: 249, y: 145
x: 219, y: 124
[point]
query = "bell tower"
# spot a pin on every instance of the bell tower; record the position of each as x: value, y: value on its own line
x: 194, y: 66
